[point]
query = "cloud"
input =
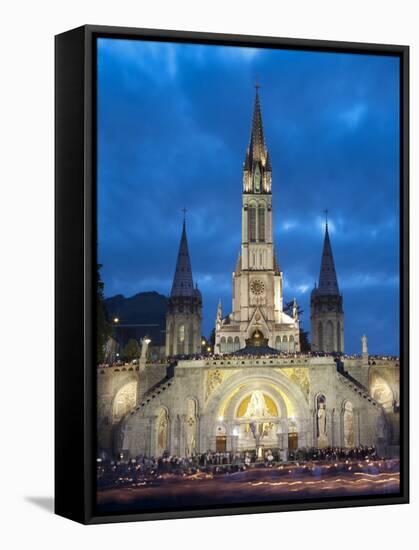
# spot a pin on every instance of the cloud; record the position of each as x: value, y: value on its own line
x: 173, y: 126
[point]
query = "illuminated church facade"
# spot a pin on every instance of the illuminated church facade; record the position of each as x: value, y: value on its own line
x: 257, y: 391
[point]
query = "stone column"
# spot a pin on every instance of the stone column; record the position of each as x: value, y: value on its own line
x: 151, y: 436
x: 314, y: 416
x: 330, y: 426
x: 357, y: 427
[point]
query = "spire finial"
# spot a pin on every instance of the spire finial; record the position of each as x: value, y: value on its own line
x: 184, y: 210
x: 326, y: 212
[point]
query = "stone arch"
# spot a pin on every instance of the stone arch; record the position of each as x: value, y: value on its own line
x: 236, y: 402
x: 278, y: 343
x: 125, y: 400
x: 236, y: 343
x: 223, y: 347
x: 291, y: 343
x: 382, y: 392
x: 285, y: 344
x: 261, y: 327
x: 266, y: 379
x: 230, y: 344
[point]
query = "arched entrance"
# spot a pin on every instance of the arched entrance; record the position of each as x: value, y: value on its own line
x: 256, y: 419
x: 258, y: 411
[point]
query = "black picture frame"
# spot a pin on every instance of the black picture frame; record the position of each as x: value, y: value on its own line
x: 75, y: 263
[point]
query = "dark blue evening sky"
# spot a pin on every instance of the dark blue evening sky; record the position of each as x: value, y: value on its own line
x: 173, y: 127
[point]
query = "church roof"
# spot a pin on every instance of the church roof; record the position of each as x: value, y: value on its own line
x: 182, y: 281
x: 256, y: 150
x: 328, y: 282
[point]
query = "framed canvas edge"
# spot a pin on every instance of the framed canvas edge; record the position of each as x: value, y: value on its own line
x: 87, y: 448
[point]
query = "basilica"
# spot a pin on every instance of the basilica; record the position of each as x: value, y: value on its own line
x: 258, y: 390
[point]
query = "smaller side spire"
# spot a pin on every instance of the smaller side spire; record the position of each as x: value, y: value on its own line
x: 182, y: 281
x: 328, y: 282
x: 219, y: 310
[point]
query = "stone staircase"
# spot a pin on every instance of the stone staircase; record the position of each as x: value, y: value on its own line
x: 156, y: 390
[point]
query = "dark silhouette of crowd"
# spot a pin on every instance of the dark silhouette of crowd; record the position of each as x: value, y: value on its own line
x: 212, y: 463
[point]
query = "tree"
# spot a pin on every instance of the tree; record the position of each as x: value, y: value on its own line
x: 212, y: 338
x: 305, y: 345
x: 103, y: 329
x: 131, y: 350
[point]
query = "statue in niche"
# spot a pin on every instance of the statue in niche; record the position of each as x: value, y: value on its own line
x: 257, y: 406
x: 321, y: 423
x: 190, y: 436
x: 162, y: 433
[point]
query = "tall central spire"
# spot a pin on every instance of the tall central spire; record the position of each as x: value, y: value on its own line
x: 257, y: 161
x: 257, y: 140
x: 182, y: 281
x: 328, y: 282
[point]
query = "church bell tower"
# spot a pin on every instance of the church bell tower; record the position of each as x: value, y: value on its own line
x: 184, y: 308
x: 257, y: 306
x: 327, y: 305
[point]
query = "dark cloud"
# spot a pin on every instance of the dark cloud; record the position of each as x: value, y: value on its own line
x: 173, y: 126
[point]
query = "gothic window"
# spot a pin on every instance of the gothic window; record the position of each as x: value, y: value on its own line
x: 236, y: 343
x: 181, y: 339
x: 291, y: 343
x: 320, y: 336
x: 256, y: 179
x: 261, y: 223
x: 162, y: 432
x: 252, y: 224
x: 348, y: 425
x: 285, y: 343
x: 191, y: 335
x: 223, y: 345
x: 329, y: 336
x: 229, y: 344
x: 278, y: 342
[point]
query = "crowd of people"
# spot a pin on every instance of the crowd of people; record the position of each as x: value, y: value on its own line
x: 235, y: 356
x: 215, y: 463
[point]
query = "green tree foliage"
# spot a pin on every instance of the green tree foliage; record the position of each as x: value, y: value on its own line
x: 131, y: 350
x: 103, y: 329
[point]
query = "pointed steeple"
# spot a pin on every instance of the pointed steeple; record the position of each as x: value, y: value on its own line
x: 219, y: 310
x: 182, y: 281
x: 328, y: 282
x: 257, y: 140
x: 257, y: 151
